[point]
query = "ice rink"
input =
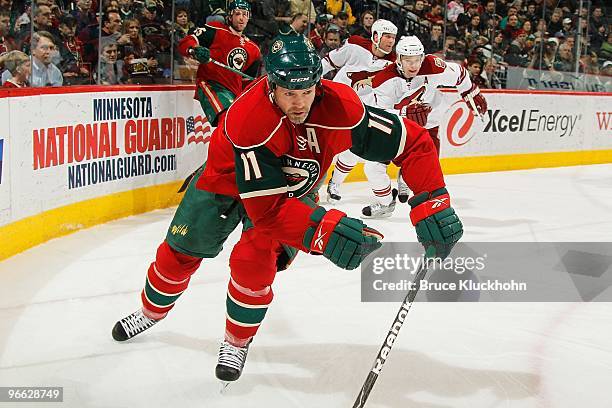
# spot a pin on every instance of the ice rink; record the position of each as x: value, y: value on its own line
x: 60, y: 300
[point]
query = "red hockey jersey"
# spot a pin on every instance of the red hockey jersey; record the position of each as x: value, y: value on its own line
x: 226, y: 46
x: 258, y: 155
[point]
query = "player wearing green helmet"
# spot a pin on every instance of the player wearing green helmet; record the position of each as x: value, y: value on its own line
x: 271, y: 151
x: 217, y: 87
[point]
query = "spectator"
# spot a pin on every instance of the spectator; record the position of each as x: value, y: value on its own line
x: 512, y: 11
x: 605, y: 51
x: 567, y: 27
x: 71, y: 53
x: 512, y: 27
x: 298, y: 25
x: 530, y: 14
x: 435, y: 15
x: 182, y: 24
x: 335, y: 7
x: 489, y: 12
x: 364, y: 28
x: 138, y: 56
x: 475, y: 69
x: 491, y: 80
x: 341, y: 20
x: 435, y: 42
x: 597, y: 20
x: 125, y: 9
x: 555, y: 24
x: 516, y: 54
x: 44, y: 72
x: 304, y: 7
x: 111, y: 68
x: 419, y: 10
x: 332, y: 41
x: 528, y: 27
x: 7, y: 42
x: 111, y: 27
x: 316, y: 35
x: 18, y: 65
x: 83, y: 14
x: 543, y: 58
x: 565, y: 59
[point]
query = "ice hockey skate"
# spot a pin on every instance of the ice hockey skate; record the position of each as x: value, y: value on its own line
x: 378, y: 210
x: 132, y: 325
x: 333, y: 192
x: 402, y: 189
x: 230, y: 363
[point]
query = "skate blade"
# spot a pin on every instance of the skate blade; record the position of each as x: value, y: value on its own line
x: 375, y: 217
x: 224, y: 387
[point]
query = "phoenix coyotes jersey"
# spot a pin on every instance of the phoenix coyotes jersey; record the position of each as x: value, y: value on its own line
x: 228, y: 47
x: 356, y: 64
x: 392, y: 91
x: 258, y: 156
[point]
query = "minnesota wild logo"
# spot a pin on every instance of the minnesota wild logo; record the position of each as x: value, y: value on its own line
x: 276, y: 47
x: 301, y: 174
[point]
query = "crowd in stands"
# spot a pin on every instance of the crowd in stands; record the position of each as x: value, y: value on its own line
x: 72, y: 42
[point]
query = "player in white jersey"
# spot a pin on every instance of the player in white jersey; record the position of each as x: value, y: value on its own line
x: 410, y: 86
x: 357, y: 61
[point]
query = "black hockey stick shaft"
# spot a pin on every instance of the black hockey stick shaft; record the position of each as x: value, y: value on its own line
x: 384, y: 351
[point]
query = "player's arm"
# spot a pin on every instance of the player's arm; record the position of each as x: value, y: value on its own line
x: 383, y: 136
x: 197, y: 43
x: 457, y: 76
x: 263, y: 189
x: 337, y: 58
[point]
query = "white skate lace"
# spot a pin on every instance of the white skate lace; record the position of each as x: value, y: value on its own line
x: 136, y: 322
x: 232, y: 356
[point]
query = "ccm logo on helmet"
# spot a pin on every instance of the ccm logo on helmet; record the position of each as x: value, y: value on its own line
x: 298, y: 79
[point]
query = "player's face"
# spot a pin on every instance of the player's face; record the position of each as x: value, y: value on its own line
x: 296, y: 103
x: 387, y: 41
x: 239, y: 19
x: 411, y: 64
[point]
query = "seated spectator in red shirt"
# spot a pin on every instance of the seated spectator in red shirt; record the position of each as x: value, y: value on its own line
x: 18, y: 64
x: 435, y: 15
x: 316, y: 35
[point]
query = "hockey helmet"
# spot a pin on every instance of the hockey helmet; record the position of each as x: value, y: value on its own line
x: 239, y: 4
x: 293, y: 63
x: 381, y: 27
x: 408, y: 46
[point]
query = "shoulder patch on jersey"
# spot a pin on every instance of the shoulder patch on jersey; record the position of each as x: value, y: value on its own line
x: 432, y: 65
x: 246, y: 127
x: 339, y: 108
x: 385, y: 75
x: 360, y: 41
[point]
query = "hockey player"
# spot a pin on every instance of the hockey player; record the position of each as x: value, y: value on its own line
x: 270, y: 151
x: 217, y: 87
x: 411, y: 87
x: 357, y: 62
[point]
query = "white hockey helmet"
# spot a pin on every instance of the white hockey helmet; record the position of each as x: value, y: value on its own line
x: 408, y: 46
x: 381, y: 27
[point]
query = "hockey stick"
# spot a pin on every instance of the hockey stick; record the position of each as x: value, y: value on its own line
x: 384, y: 351
x: 234, y: 70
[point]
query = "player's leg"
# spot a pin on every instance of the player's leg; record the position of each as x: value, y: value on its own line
x: 197, y: 231
x: 345, y: 162
x: 253, y: 265
x: 214, y: 99
x: 381, y: 186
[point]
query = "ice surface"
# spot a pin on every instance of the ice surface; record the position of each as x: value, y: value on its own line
x: 60, y: 300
